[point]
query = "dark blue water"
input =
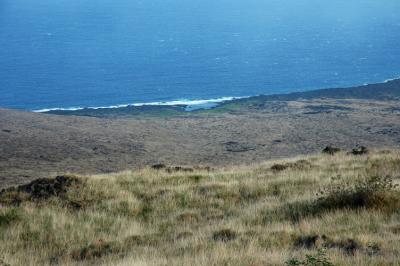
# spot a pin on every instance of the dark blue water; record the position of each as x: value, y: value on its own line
x: 69, y: 53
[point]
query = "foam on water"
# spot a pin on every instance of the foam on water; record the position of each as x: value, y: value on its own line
x: 189, y: 103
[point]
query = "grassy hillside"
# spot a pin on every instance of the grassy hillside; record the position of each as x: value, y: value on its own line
x: 339, y: 209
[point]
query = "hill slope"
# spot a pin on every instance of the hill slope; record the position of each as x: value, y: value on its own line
x: 264, y: 214
x: 39, y: 145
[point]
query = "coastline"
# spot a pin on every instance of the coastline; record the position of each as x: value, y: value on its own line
x: 194, y: 103
x: 387, y: 90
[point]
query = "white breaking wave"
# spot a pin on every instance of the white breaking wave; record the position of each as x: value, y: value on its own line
x: 388, y: 80
x: 168, y: 103
x: 188, y: 103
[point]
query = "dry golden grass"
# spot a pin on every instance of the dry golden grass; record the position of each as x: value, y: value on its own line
x: 233, y: 216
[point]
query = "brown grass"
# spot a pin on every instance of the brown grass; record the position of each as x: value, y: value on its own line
x: 247, y: 215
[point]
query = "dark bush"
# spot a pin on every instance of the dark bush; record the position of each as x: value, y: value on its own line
x: 279, y: 167
x: 308, y: 241
x: 145, y: 211
x: 195, y: 178
x: 298, y: 165
x: 331, y: 150
x: 9, y: 216
x: 224, y: 235
x: 349, y: 246
x: 158, y: 166
x: 95, y: 250
x: 360, y: 151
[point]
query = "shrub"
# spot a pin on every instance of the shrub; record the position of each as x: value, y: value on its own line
x: 158, y: 166
x: 279, y: 167
x: 360, y: 151
x: 94, y: 250
x: 331, y: 150
x: 308, y: 241
x: 188, y: 217
x: 298, y: 165
x: 224, y: 235
x: 372, y: 192
x: 145, y: 211
x: 318, y: 259
x: 3, y: 263
x: 9, y: 216
x: 349, y: 246
x: 195, y: 178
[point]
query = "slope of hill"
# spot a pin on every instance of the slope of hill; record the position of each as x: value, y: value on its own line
x: 39, y: 145
x: 264, y: 214
x: 250, y: 130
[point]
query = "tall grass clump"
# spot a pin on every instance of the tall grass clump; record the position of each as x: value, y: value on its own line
x: 378, y: 192
x: 373, y: 192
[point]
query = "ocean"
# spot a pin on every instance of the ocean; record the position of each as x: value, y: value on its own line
x: 99, y: 53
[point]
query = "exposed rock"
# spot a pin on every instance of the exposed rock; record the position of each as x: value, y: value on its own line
x: 39, y: 189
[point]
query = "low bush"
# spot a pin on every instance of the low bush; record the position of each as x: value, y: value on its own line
x: 308, y: 241
x: 372, y: 193
x: 349, y: 246
x: 9, y: 216
x: 318, y: 259
x: 94, y: 250
x: 360, y: 151
x: 3, y: 263
x: 298, y: 165
x: 225, y: 235
x: 331, y: 150
x: 279, y: 167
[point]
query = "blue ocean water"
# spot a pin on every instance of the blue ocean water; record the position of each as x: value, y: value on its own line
x: 86, y: 53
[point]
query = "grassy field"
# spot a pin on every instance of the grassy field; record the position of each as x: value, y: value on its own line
x: 324, y: 209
